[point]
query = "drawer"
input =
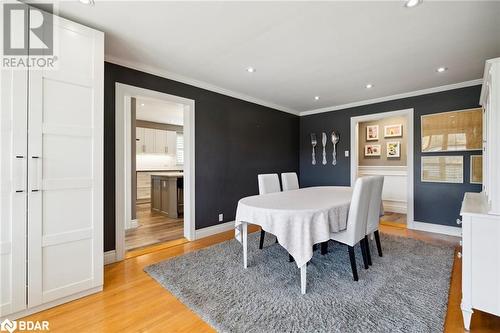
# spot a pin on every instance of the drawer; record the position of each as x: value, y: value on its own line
x: 143, y: 179
x: 143, y: 192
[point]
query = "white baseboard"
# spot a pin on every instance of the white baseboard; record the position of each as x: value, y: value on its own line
x: 51, y: 304
x: 209, y: 231
x: 436, y: 228
x: 109, y: 257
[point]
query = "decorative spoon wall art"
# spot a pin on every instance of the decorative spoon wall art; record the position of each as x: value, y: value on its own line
x: 335, y: 139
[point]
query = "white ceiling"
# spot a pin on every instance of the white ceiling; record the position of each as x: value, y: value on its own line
x: 300, y: 49
x: 162, y: 112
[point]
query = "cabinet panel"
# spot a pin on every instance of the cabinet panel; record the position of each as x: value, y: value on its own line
x: 156, y: 193
x: 149, y: 140
x: 164, y: 196
x: 172, y: 142
x: 65, y: 150
x: 13, y: 134
x: 140, y: 146
x: 485, y: 270
x: 161, y: 142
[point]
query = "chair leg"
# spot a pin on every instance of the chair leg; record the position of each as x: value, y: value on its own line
x: 262, y: 234
x: 352, y: 257
x: 363, y: 253
x: 368, y: 254
x: 324, y: 248
x: 276, y: 240
x: 377, y: 240
x: 290, y: 258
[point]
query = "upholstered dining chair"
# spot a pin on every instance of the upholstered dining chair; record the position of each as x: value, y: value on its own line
x: 268, y: 183
x: 375, y: 210
x: 356, y: 222
x: 289, y: 181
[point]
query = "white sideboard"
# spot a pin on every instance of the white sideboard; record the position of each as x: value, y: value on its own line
x: 481, y: 213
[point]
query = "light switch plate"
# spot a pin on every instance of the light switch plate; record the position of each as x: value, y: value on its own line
x: 221, y: 217
x: 346, y: 153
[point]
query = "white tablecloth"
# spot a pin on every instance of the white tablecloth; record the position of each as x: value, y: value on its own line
x: 298, y: 218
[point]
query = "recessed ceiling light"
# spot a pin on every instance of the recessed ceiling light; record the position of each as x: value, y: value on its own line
x: 142, y: 104
x: 316, y: 98
x: 412, y: 3
x: 369, y: 86
x: 88, y: 2
x: 250, y: 69
x: 441, y: 69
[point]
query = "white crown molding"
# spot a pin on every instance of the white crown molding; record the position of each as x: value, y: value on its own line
x: 196, y: 83
x: 393, y: 97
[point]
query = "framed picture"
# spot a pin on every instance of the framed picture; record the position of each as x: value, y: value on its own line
x: 372, y: 150
x: 393, y: 131
x: 371, y: 132
x: 476, y: 169
x: 443, y: 169
x: 452, y: 131
x: 393, y: 149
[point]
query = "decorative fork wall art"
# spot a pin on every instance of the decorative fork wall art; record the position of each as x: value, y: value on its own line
x: 334, y: 138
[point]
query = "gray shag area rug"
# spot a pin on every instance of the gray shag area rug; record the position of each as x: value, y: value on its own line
x: 404, y: 291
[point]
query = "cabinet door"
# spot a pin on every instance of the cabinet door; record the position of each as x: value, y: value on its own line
x: 156, y: 193
x: 485, y: 264
x: 149, y: 140
x: 164, y: 196
x: 140, y: 146
x: 65, y: 178
x: 13, y: 133
x: 172, y: 142
x: 161, y: 142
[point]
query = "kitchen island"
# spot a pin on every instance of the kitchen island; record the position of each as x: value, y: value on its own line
x: 167, y: 193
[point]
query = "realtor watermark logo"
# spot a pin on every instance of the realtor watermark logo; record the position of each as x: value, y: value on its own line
x: 28, y: 36
x: 12, y: 326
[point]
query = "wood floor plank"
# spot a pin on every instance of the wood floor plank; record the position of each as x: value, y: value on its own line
x: 133, y: 302
x: 153, y: 228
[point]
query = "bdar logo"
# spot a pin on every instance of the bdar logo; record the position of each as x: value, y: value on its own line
x: 8, y: 325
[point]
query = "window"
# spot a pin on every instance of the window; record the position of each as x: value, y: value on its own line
x: 180, y: 149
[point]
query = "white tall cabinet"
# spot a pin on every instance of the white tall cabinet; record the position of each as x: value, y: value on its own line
x: 481, y: 213
x: 51, y: 242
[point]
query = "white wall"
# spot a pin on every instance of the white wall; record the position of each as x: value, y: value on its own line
x: 156, y: 162
x: 394, y: 194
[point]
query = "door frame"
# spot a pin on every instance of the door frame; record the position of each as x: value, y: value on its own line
x: 123, y: 160
x: 409, y: 114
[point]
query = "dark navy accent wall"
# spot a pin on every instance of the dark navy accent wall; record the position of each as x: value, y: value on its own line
x: 234, y: 141
x: 437, y: 203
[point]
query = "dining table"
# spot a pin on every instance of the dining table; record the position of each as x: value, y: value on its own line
x: 298, y: 218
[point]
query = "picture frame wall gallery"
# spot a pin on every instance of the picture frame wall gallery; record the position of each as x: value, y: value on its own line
x: 393, y: 148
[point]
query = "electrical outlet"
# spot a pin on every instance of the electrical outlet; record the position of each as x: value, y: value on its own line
x: 346, y: 153
x: 221, y: 217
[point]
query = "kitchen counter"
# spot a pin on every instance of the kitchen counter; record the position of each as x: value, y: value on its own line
x: 167, y: 174
x: 167, y: 193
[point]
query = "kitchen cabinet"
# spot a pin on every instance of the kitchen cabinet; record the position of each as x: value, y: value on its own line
x: 149, y: 141
x: 160, y: 142
x: 51, y: 200
x: 155, y: 141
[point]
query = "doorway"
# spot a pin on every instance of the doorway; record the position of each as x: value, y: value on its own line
x: 154, y: 169
x: 157, y: 164
x: 382, y: 144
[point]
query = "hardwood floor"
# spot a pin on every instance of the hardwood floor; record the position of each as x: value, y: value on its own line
x: 134, y: 302
x: 154, y: 228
